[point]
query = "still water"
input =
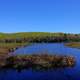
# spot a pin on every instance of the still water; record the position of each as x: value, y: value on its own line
x: 56, y: 74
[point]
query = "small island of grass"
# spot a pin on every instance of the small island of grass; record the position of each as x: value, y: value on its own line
x: 38, y: 61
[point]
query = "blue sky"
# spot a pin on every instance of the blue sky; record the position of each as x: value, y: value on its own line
x: 40, y: 15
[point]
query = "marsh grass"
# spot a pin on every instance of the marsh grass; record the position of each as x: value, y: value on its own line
x: 73, y: 44
x: 12, y: 45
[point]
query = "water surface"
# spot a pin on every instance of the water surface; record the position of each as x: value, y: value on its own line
x: 56, y: 74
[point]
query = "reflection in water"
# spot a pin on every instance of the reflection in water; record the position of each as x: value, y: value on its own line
x: 53, y: 74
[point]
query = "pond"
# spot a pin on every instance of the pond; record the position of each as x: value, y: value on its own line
x: 56, y: 74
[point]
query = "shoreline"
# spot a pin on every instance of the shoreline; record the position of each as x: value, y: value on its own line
x: 8, y: 48
x: 73, y: 45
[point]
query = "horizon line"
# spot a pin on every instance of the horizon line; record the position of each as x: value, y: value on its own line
x: 37, y: 32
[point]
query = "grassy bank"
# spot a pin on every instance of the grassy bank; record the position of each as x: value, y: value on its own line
x: 12, y: 45
x: 73, y: 44
x: 6, y: 48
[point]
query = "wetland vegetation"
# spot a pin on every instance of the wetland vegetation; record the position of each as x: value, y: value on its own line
x: 9, y: 42
x: 63, y: 59
x: 38, y: 61
x: 73, y: 44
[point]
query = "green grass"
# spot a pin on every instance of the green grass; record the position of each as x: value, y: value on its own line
x: 73, y: 44
x: 40, y: 36
x: 27, y: 34
x: 12, y: 45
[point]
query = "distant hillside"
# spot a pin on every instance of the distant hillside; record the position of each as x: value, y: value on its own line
x: 38, y: 37
x: 28, y: 34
